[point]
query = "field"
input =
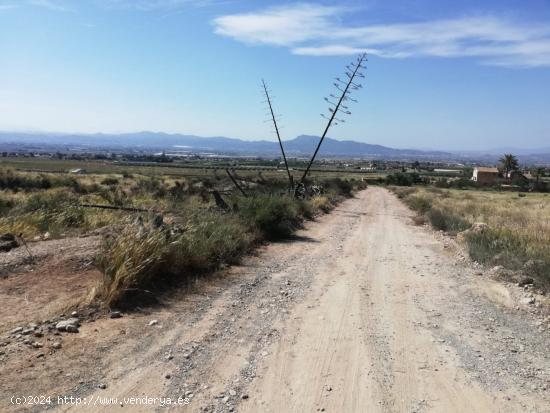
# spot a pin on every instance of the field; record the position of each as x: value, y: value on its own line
x: 178, y: 229
x: 517, y: 235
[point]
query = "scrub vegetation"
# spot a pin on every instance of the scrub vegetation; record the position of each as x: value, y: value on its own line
x: 177, y: 230
x: 517, y: 235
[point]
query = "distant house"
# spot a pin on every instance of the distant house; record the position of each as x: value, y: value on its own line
x: 515, y: 175
x: 78, y: 171
x: 518, y: 178
x: 485, y: 175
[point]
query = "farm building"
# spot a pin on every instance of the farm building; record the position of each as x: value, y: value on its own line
x: 485, y: 175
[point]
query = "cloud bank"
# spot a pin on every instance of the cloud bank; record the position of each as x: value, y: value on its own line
x: 316, y: 30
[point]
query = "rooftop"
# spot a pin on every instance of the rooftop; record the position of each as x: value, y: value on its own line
x: 485, y: 169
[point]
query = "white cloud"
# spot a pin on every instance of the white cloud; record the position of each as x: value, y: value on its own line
x: 310, y: 29
x: 151, y: 5
x: 283, y: 26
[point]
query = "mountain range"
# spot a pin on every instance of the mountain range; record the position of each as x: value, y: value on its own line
x: 301, y: 146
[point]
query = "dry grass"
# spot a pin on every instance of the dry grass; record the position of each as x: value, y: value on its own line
x: 518, y: 236
x: 197, y: 236
x: 322, y: 203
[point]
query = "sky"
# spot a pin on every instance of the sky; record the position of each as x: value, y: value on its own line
x: 440, y: 74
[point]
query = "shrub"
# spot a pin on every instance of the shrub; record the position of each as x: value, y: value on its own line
x: 306, y: 208
x: 274, y: 216
x: 418, y: 203
x: 403, y: 193
x: 5, y: 205
x: 110, y: 181
x: 502, y: 244
x: 442, y: 183
x: 447, y: 221
x: 505, y: 247
x: 49, y: 201
x: 178, y: 191
x: 462, y: 183
x: 404, y: 179
x: 210, y: 240
x: 71, y: 217
x: 338, y: 186
x: 17, y: 181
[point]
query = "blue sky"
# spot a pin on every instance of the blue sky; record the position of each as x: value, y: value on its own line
x: 441, y: 74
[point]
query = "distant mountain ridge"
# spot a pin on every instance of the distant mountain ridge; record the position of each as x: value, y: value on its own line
x: 301, y: 146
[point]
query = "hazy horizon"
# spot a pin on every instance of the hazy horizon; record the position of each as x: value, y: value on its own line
x: 441, y: 76
x: 521, y: 149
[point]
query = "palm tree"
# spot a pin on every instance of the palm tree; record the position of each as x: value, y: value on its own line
x: 509, y: 163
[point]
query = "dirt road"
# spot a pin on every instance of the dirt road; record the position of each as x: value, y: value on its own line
x: 362, y: 312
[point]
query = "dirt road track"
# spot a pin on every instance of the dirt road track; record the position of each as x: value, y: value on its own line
x: 364, y: 312
x: 369, y: 335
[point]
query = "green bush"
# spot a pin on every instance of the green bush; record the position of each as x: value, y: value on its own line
x: 447, y: 221
x: 338, y: 186
x: 462, y: 183
x: 404, y: 179
x: 274, y: 216
x: 50, y: 201
x: 212, y: 239
x: 17, y: 181
x: 419, y: 204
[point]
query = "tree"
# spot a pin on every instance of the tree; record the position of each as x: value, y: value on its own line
x: 538, y: 172
x: 509, y: 163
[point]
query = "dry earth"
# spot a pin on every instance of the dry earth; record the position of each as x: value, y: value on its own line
x: 56, y: 275
x: 362, y: 312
